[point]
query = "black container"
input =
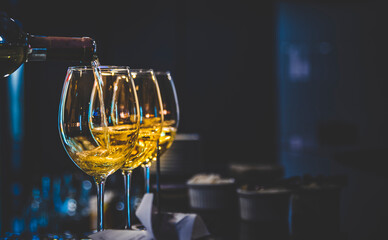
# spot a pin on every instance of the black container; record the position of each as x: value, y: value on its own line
x: 315, y: 211
x: 256, y: 174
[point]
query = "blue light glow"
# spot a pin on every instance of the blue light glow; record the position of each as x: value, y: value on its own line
x: 155, y: 111
x: 141, y: 114
x: 16, y: 92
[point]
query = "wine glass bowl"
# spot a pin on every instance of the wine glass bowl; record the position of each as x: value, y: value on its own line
x: 151, y: 118
x: 170, y: 110
x: 99, y: 121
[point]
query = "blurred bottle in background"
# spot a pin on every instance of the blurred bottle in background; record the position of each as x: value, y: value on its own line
x: 59, y: 206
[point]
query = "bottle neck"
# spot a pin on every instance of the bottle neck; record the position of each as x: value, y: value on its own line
x: 82, y: 49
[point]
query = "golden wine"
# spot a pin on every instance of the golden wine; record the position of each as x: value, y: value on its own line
x: 120, y: 135
x: 145, y: 148
x: 100, y: 162
x: 167, y: 136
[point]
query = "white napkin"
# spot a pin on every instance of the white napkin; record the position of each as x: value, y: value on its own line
x: 120, y: 235
x: 179, y: 226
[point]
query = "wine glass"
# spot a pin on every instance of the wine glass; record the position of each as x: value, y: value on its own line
x: 170, y: 123
x: 99, y: 121
x: 151, y: 120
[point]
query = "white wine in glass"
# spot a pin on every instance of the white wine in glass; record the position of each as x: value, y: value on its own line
x: 99, y: 122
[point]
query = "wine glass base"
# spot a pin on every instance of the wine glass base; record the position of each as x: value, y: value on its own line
x: 138, y: 227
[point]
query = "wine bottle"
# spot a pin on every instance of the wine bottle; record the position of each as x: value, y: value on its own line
x: 17, y: 47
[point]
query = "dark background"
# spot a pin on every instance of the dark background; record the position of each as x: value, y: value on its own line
x: 217, y: 52
x: 302, y: 84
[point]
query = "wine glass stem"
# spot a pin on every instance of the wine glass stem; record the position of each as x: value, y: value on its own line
x: 100, y: 204
x: 147, y: 178
x: 127, y: 188
x: 158, y: 177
